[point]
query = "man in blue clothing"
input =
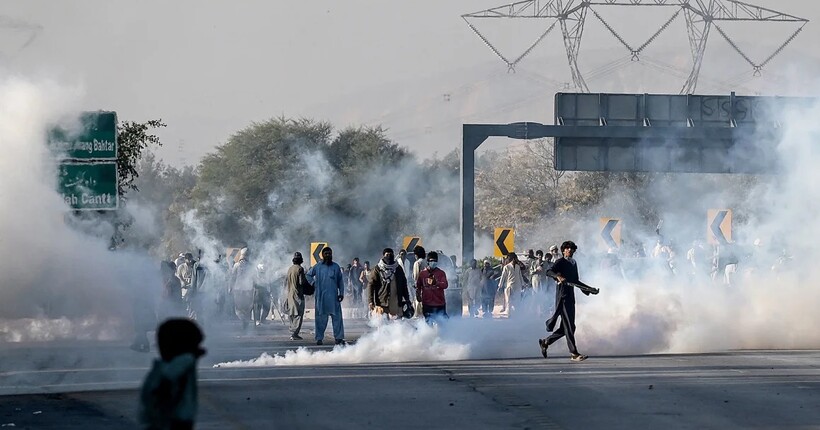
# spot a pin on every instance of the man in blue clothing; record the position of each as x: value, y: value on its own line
x: 326, y: 277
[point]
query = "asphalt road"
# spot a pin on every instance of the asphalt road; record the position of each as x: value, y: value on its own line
x: 90, y: 385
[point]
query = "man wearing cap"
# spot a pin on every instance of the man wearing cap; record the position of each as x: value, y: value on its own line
x: 326, y: 277
x: 564, y: 270
x: 294, y: 305
x: 430, y: 285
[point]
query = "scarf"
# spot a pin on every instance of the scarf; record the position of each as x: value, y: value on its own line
x: 387, y: 270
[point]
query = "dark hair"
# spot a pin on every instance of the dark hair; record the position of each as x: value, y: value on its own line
x: 512, y: 256
x: 178, y: 336
x: 366, y: 262
x: 419, y: 251
x: 568, y: 245
x: 432, y: 255
x: 386, y: 250
x: 539, y: 252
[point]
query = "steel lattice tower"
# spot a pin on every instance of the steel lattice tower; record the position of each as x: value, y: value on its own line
x: 701, y: 17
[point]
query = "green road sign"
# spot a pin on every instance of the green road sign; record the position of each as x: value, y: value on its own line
x: 89, y: 186
x: 93, y: 137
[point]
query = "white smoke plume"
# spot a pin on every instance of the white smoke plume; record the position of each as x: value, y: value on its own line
x: 387, y: 341
x: 56, y: 280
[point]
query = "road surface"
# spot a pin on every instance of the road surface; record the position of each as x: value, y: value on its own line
x: 93, y: 385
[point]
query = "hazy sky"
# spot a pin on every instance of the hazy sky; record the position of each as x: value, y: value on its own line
x: 210, y: 68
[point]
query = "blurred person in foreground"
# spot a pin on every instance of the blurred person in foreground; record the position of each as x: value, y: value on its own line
x: 168, y: 398
x: 565, y: 271
x: 327, y: 279
x: 430, y: 285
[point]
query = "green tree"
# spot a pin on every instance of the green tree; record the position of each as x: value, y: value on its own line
x: 132, y: 139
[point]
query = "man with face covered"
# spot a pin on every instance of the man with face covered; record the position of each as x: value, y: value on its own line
x: 326, y: 278
x: 430, y: 285
x: 387, y: 287
x: 564, y: 270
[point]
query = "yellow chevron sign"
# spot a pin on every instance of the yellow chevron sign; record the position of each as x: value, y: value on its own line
x: 410, y: 242
x: 610, y: 232
x: 316, y: 252
x: 719, y: 226
x: 504, y: 241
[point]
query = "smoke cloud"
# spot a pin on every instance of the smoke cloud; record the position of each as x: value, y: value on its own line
x: 59, y: 280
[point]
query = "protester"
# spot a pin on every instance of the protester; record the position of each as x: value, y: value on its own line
x: 471, y: 291
x: 168, y: 398
x: 170, y: 303
x: 537, y: 272
x: 326, y: 278
x: 355, y: 277
x: 242, y: 287
x: 565, y: 271
x: 430, y: 285
x: 489, y: 287
x: 406, y: 264
x: 294, y: 304
x: 261, y: 295
x: 419, y: 265
x: 387, y: 287
x: 511, y: 283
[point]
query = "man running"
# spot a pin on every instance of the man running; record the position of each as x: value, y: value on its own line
x: 565, y: 271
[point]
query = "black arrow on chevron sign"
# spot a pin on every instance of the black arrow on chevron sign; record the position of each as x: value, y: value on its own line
x: 500, y: 241
x: 412, y: 244
x: 606, y: 233
x: 715, y: 227
x: 317, y: 253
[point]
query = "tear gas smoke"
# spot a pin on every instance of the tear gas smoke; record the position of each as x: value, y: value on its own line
x: 56, y: 280
x: 387, y: 342
x: 653, y: 312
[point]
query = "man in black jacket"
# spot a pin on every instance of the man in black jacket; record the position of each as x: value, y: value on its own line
x: 564, y: 270
x: 387, y: 287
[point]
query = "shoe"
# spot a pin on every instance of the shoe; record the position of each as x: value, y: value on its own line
x: 295, y: 337
x: 340, y: 342
x: 543, y: 344
x: 579, y: 357
x: 318, y: 342
x: 258, y: 323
